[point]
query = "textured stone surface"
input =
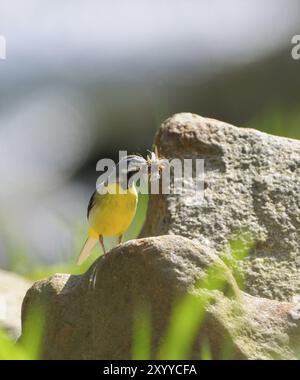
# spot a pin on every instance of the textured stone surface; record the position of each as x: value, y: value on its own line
x: 12, y: 291
x: 90, y: 316
x: 251, y: 187
x: 259, y: 328
x: 252, y: 183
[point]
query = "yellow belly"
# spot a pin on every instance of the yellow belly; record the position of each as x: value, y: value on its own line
x: 112, y: 214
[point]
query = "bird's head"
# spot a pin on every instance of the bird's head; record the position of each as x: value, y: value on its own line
x: 131, y: 165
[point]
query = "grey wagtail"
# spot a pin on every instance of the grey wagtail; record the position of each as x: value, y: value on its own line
x: 111, y: 213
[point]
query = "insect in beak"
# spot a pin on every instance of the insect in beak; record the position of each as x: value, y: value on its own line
x: 155, y: 164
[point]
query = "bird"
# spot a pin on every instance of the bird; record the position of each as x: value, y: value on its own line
x: 111, y: 212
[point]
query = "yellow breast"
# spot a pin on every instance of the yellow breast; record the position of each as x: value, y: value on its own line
x: 112, y: 214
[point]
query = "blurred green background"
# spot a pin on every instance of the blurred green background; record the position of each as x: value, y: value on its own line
x: 83, y: 80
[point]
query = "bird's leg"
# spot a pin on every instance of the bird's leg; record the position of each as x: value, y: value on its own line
x: 102, y: 244
x: 120, y: 237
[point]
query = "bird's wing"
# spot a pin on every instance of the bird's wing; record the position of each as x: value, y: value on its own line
x: 91, y: 203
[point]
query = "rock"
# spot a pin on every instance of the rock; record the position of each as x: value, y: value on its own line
x: 252, y: 183
x: 12, y: 291
x: 259, y: 328
x: 251, y: 190
x: 90, y: 316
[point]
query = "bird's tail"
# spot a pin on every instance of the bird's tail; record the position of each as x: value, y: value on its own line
x: 87, y: 249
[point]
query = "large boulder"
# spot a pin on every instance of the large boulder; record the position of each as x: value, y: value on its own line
x: 90, y: 316
x: 251, y: 193
x: 12, y: 291
x: 252, y: 183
